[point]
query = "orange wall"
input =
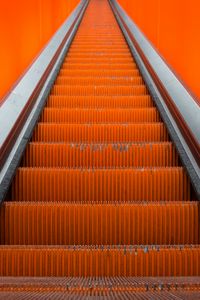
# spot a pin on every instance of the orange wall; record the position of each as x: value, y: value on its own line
x: 174, y: 29
x: 26, y: 26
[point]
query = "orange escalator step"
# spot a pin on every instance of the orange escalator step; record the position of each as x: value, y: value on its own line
x: 100, y: 155
x: 103, y: 224
x: 97, y: 55
x: 136, y: 115
x: 100, y: 133
x: 99, y: 102
x: 99, y: 60
x: 63, y: 80
x: 118, y: 288
x: 114, y: 285
x: 101, y: 185
x: 100, y: 198
x: 98, y: 90
x: 96, y: 48
x: 94, y: 66
x: 99, y: 72
x: 99, y: 261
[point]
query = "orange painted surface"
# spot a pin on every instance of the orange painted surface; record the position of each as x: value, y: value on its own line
x: 26, y: 26
x: 99, y: 224
x: 100, y: 191
x: 173, y: 28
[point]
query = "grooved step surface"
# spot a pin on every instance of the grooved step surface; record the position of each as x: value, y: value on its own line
x: 84, y: 90
x: 99, y: 102
x: 54, y: 115
x: 71, y: 66
x: 99, y: 261
x: 103, y: 283
x: 100, y: 133
x: 99, y: 60
x: 66, y: 80
x: 105, y: 185
x: 113, y: 288
x: 62, y: 294
x: 100, y: 194
x: 100, y: 155
x: 99, y: 72
x: 130, y: 224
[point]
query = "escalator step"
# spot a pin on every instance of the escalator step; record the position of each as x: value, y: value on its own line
x: 100, y: 133
x: 99, y: 261
x: 100, y: 185
x: 102, y: 224
x: 94, y: 66
x: 64, y: 80
x: 62, y: 90
x: 99, y: 102
x: 100, y: 194
x: 100, y: 155
x: 99, y: 72
x: 135, y: 115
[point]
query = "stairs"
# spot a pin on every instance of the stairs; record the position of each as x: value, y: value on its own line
x: 100, y: 195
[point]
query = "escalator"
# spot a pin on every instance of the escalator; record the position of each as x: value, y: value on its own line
x: 101, y: 196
